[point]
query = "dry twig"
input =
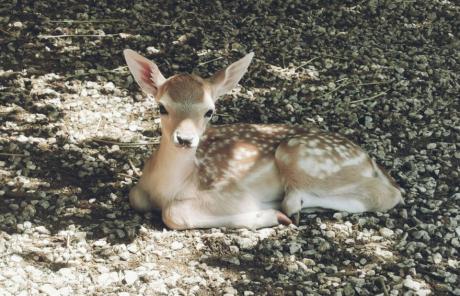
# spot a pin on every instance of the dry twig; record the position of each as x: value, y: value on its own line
x: 375, y: 83
x: 125, y: 144
x: 381, y: 280
x: 135, y: 169
x: 369, y: 98
x: 11, y: 154
x: 306, y: 63
x: 75, y: 35
x: 210, y: 61
x: 116, y: 70
x: 88, y: 21
x: 336, y: 88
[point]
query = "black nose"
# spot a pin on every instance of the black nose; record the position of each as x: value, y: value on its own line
x: 184, y: 141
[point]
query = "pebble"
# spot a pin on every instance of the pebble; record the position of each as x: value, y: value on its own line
x: 294, y: 247
x: 292, y: 267
x: 338, y: 216
x: 158, y: 286
x: 109, y: 86
x: 176, y: 245
x: 246, y: 243
x: 437, y: 258
x: 386, y: 232
x: 18, y: 25
x: 152, y: 50
x: 48, y: 289
x: 233, y: 260
x: 411, y: 284
x: 42, y: 229
x: 133, y: 248
x: 230, y: 291
x: 330, y: 234
x: 130, y: 277
x: 348, y: 290
x: 125, y: 255
x: 234, y: 249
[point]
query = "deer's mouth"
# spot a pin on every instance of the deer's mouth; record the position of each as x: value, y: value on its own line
x: 184, y: 146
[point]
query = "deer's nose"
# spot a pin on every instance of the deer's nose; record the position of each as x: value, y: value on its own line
x: 184, y: 140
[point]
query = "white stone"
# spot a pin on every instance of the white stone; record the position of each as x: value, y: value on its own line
x: 42, y: 229
x: 411, y: 284
x: 386, y: 232
x: 437, y: 258
x: 48, y: 290
x: 294, y: 248
x: 107, y: 279
x: 66, y: 291
x: 177, y: 245
x: 109, y: 86
x: 152, y: 50
x: 383, y: 253
x: 130, y: 277
x: 158, y: 286
x: 246, y: 243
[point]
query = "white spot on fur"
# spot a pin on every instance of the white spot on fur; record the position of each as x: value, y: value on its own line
x: 355, y: 160
x: 282, y: 156
x: 267, y: 128
x: 243, y: 153
x: 313, y: 143
x: 293, y: 142
x: 317, y: 152
x: 367, y: 172
x: 319, y: 168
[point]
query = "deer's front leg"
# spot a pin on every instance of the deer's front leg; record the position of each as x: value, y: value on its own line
x: 139, y: 199
x: 191, y: 213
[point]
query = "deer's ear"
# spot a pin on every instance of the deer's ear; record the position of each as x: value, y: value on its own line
x: 226, y: 79
x: 145, y: 72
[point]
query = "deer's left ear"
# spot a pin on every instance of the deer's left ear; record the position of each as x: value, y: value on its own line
x: 145, y: 72
x: 226, y: 79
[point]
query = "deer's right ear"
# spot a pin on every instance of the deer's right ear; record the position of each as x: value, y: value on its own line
x: 225, y: 80
x: 145, y: 72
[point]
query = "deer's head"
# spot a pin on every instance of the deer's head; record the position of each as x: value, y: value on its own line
x: 186, y: 101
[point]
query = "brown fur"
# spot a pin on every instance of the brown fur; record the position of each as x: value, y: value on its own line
x: 184, y: 87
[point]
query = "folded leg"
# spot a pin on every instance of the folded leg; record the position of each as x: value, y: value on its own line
x: 191, y: 213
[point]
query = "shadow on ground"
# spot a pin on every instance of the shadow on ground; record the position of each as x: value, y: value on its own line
x: 60, y: 186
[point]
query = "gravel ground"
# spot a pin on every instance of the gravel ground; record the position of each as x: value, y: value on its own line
x: 74, y: 128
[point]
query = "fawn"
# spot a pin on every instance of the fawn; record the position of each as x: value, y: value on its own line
x: 245, y: 175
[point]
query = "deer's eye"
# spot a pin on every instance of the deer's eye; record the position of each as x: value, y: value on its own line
x: 209, y: 113
x: 163, y: 110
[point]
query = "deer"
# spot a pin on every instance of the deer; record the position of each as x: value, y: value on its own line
x: 245, y: 175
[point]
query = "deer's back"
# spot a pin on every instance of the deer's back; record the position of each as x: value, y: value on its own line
x: 229, y: 153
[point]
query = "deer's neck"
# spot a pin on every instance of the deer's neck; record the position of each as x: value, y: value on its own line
x: 172, y: 170
x: 175, y: 161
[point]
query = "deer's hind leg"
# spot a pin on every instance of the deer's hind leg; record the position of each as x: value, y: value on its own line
x: 330, y: 172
